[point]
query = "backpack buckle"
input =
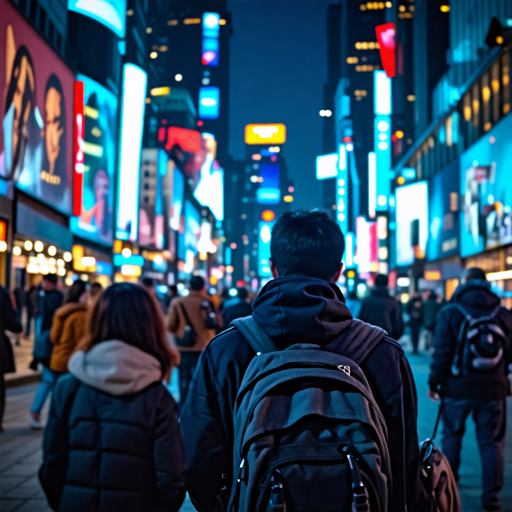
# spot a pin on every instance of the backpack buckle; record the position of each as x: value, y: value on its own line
x: 344, y: 368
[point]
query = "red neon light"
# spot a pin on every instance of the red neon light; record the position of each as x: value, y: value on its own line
x: 347, y: 139
x: 208, y: 57
x: 374, y: 243
x: 188, y: 140
x: 78, y: 162
x: 161, y: 134
x: 386, y: 39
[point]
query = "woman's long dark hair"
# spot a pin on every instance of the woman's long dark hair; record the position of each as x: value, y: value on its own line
x: 75, y: 291
x: 29, y: 97
x: 127, y: 312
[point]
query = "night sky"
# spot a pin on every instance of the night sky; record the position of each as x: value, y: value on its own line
x: 278, y: 69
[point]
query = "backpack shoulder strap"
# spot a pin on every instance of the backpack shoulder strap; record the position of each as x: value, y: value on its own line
x: 259, y: 340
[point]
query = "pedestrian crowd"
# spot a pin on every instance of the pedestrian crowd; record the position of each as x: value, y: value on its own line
x: 287, y: 403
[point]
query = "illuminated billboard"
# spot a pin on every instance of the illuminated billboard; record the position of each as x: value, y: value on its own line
x: 443, y: 213
x: 111, y: 13
x: 264, y: 238
x: 211, y: 22
x: 153, y: 172
x: 269, y: 191
x: 265, y: 133
x: 95, y: 221
x: 210, y: 187
x: 326, y: 166
x: 386, y: 39
x: 411, y: 222
x: 36, y: 112
x: 382, y: 88
x: 210, y: 52
x: 130, y: 141
x: 485, y: 191
x: 342, y: 188
x: 190, y: 238
x: 178, y: 190
x: 209, y: 98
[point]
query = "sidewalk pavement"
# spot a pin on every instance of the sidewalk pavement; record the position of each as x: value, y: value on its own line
x: 20, y: 450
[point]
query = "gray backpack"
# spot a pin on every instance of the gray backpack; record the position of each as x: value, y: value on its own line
x: 308, y: 433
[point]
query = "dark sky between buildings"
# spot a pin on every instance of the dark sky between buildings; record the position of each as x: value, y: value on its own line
x: 278, y: 69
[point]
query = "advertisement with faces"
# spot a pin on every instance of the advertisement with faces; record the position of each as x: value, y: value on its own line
x: 36, y: 114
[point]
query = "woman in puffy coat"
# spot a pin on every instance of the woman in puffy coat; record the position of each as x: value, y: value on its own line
x: 68, y: 326
x: 112, y: 441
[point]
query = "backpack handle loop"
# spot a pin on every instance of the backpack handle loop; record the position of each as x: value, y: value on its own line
x: 259, y: 340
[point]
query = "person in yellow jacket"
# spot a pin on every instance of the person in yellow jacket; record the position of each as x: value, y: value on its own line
x: 68, y: 326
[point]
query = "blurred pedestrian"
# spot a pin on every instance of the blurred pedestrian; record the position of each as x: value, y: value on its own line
x: 32, y: 294
x: 112, y: 442
x: 19, y: 303
x: 382, y: 310
x: 472, y: 351
x: 95, y: 290
x: 239, y: 310
x: 8, y: 322
x: 149, y: 286
x: 415, y: 312
x: 50, y: 299
x: 68, y: 326
x: 194, y: 322
x: 430, y: 310
x: 353, y: 303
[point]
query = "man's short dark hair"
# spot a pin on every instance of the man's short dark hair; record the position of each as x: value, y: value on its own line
x: 242, y: 292
x: 381, y: 280
x: 196, y: 283
x: 148, y: 282
x: 307, y: 243
x: 474, y: 273
x: 52, y: 278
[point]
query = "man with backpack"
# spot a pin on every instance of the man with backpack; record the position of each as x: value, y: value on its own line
x: 300, y: 407
x: 193, y: 320
x: 469, y: 374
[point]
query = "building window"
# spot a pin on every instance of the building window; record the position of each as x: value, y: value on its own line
x: 486, y: 102
x: 495, y: 87
x: 475, y: 97
x: 505, y: 82
x: 33, y: 11
x: 42, y: 20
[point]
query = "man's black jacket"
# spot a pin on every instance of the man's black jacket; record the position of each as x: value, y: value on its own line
x: 477, y: 299
x: 384, y: 311
x: 295, y: 309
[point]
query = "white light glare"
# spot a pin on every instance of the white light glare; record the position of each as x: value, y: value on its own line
x: 383, y: 146
x: 403, y: 281
x: 372, y: 184
x: 383, y: 126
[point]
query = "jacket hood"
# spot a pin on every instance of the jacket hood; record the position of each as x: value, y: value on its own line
x: 301, y: 309
x: 68, y: 309
x: 476, y: 293
x: 115, y: 368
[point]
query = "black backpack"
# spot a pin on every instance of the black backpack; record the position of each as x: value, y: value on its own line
x: 480, y: 343
x: 308, y: 433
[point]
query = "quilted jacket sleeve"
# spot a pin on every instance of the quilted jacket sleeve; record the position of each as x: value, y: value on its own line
x: 168, y: 457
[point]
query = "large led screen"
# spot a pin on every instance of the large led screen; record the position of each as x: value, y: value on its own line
x: 36, y: 113
x: 210, y: 188
x: 269, y: 191
x: 411, y: 206
x: 187, y: 247
x: 178, y: 189
x: 130, y: 142
x: 111, y: 13
x: 443, y: 237
x: 100, y: 113
x: 486, y: 193
x: 153, y: 173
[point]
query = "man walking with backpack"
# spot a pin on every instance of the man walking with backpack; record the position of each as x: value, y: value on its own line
x: 300, y: 407
x: 469, y: 375
x: 193, y: 321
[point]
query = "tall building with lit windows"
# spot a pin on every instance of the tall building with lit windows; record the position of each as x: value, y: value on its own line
x: 451, y: 194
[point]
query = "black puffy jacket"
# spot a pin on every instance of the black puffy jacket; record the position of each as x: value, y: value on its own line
x: 105, y: 453
x: 382, y: 310
x: 297, y: 309
x: 477, y: 299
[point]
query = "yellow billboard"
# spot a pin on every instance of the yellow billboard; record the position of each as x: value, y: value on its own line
x: 265, y: 133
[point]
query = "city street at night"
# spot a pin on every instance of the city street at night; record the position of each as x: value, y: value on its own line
x: 253, y: 254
